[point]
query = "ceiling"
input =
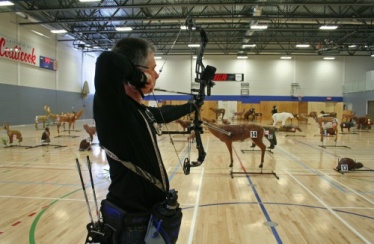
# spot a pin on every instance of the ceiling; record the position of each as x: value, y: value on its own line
x: 227, y: 24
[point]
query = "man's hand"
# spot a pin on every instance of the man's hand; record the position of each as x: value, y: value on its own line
x: 196, y: 102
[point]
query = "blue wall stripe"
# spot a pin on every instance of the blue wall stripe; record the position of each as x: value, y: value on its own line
x: 245, y: 99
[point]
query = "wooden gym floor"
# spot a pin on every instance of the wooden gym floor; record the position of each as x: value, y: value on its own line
x: 41, y: 198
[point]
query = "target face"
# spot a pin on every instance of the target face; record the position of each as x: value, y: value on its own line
x: 253, y: 134
x: 344, y: 167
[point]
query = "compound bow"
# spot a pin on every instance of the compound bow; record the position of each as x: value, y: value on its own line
x: 204, y: 76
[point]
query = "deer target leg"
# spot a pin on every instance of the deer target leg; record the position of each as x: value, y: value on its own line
x: 262, y: 146
x: 69, y: 127
x: 229, y: 147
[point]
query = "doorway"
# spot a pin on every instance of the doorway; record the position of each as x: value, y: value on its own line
x: 370, y: 110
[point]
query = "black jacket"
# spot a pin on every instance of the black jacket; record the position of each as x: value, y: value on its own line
x: 122, y: 129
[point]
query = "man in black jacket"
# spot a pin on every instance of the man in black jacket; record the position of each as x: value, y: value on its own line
x: 127, y: 130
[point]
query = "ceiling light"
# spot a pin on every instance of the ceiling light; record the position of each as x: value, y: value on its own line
x: 123, y: 28
x: 87, y: 1
x: 21, y: 14
x: 372, y: 55
x: 40, y: 34
x: 193, y: 45
x: 242, y: 57
x: 329, y: 58
x: 352, y: 46
x: 183, y: 27
x: 6, y: 3
x: 248, y: 45
x: 259, y: 27
x: 302, y: 45
x: 285, y: 57
x: 328, y: 27
x: 58, y: 31
x: 158, y: 57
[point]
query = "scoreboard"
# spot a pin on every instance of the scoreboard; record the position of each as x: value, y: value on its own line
x: 47, y: 63
x: 228, y: 77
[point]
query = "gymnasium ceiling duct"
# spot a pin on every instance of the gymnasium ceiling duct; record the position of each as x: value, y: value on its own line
x: 227, y: 24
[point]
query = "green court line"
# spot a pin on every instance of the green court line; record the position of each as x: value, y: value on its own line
x: 36, y: 220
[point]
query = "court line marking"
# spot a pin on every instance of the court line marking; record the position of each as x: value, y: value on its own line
x: 284, y: 204
x: 327, y: 207
x: 259, y: 201
x: 183, y: 152
x: 197, y: 202
x: 41, y: 213
x: 364, y: 208
x: 196, y: 205
x: 34, y: 167
x: 196, y: 208
x: 37, y: 183
x: 298, y: 161
x: 349, y: 188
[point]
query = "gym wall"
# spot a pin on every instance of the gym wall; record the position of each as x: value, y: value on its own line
x: 26, y: 88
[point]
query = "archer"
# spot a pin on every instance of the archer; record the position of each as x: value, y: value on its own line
x: 128, y: 130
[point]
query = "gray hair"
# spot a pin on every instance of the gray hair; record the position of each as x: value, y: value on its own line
x: 136, y: 49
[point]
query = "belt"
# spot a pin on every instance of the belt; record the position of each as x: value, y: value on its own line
x: 116, y: 216
x: 132, y: 219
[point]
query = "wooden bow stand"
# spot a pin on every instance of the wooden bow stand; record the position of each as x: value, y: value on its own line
x: 325, y: 146
x: 43, y: 144
x: 232, y: 172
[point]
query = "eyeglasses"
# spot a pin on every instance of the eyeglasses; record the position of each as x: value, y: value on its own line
x: 141, y: 66
x: 146, y: 67
x: 152, y: 119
